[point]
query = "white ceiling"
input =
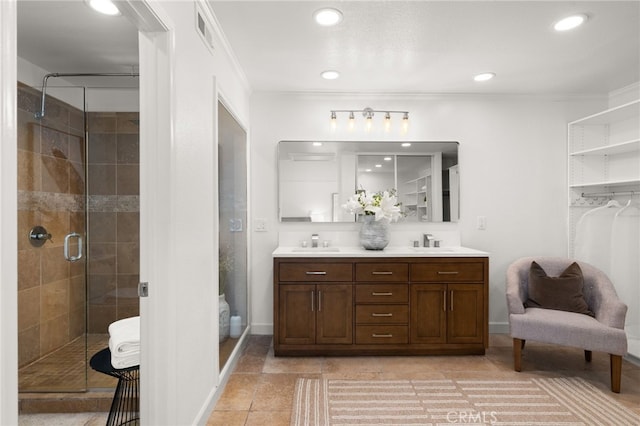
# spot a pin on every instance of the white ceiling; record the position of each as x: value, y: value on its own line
x: 380, y: 46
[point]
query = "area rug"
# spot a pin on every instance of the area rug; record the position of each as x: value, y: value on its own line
x: 545, y: 401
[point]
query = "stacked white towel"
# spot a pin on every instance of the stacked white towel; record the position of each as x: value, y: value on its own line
x: 124, y: 342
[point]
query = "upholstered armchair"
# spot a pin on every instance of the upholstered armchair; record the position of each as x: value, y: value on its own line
x: 602, y: 332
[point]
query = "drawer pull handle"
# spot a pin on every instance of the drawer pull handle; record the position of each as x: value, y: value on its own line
x: 447, y: 272
x: 316, y: 273
x: 377, y: 293
x: 381, y: 336
x: 312, y: 301
x: 382, y: 273
x: 382, y: 315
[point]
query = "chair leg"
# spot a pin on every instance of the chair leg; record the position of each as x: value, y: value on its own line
x: 587, y: 355
x: 518, y: 344
x: 616, y: 372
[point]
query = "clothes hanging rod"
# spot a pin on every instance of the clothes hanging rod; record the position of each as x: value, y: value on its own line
x: 610, y: 194
x: 39, y: 115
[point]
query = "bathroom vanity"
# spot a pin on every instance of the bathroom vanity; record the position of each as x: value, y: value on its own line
x: 398, y: 301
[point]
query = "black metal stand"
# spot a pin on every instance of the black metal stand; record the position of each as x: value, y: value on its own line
x: 125, y: 407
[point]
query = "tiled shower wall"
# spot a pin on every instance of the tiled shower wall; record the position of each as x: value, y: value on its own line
x: 51, y: 291
x: 113, y: 215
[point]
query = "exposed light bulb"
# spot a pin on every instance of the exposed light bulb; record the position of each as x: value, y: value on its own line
x: 352, y: 121
x: 334, y: 121
x: 387, y: 122
x: 369, y: 123
x: 405, y: 122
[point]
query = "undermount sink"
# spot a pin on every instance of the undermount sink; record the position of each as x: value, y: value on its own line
x: 433, y: 249
x: 316, y: 250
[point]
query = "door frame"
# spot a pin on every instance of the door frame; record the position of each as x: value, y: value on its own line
x: 156, y: 34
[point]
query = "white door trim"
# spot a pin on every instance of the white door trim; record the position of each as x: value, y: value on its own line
x: 8, y: 215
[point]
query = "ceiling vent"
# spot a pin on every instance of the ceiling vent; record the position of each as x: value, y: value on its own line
x: 204, y: 28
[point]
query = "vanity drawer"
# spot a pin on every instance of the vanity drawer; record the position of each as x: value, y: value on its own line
x: 382, y: 334
x: 447, y: 271
x: 382, y: 314
x: 382, y: 293
x: 387, y: 272
x: 316, y: 272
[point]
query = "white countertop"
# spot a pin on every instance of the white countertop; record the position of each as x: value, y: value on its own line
x: 285, y: 251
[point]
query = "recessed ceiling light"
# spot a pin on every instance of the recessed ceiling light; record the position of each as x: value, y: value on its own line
x: 378, y: 165
x: 330, y: 74
x: 327, y: 17
x: 406, y: 144
x: 570, y: 22
x: 387, y: 158
x: 106, y: 7
x: 317, y: 144
x: 485, y: 76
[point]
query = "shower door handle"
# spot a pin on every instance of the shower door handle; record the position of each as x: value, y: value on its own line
x: 67, y: 256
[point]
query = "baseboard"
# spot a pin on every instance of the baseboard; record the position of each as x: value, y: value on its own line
x: 499, y: 328
x: 225, y: 373
x: 262, y: 329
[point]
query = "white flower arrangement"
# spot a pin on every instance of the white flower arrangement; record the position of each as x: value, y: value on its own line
x: 383, y: 204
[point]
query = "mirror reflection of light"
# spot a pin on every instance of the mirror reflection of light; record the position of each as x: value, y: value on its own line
x: 378, y: 165
x: 317, y: 144
x: 387, y: 158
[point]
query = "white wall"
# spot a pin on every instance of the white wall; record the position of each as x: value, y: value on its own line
x: 512, y: 171
x: 185, y: 295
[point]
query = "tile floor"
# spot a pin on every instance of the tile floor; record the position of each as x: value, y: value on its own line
x: 260, y: 390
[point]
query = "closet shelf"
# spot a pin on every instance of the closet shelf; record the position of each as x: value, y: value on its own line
x: 627, y: 111
x: 632, y: 146
x: 606, y: 184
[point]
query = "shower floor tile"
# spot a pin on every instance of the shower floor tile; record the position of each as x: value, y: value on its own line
x: 66, y: 370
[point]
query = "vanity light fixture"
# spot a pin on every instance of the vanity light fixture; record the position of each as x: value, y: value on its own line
x: 570, y: 22
x: 327, y: 17
x: 106, y: 7
x: 485, y: 76
x: 368, y: 114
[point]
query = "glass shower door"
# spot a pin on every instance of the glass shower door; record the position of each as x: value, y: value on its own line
x: 232, y: 204
x: 51, y: 241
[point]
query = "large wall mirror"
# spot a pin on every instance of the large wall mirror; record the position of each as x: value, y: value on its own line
x: 315, y: 178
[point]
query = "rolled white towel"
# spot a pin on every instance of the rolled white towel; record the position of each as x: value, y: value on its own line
x: 124, y: 336
x: 124, y: 360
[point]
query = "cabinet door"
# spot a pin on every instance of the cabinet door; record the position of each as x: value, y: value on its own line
x: 428, y: 313
x: 466, y: 313
x: 297, y: 325
x: 334, y: 314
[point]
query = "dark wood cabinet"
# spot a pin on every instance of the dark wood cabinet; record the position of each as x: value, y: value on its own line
x: 387, y: 306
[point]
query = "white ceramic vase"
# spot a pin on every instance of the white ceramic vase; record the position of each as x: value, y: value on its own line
x: 224, y: 318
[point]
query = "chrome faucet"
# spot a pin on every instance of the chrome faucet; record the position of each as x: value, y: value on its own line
x: 426, y: 238
x: 314, y: 240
